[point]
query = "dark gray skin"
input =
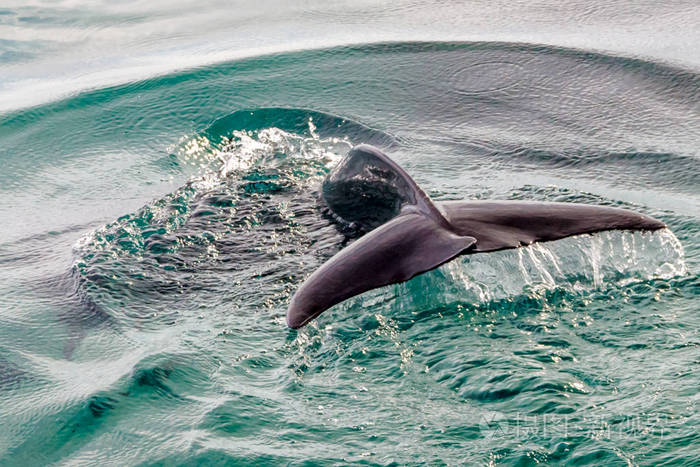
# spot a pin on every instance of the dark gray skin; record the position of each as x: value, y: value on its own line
x: 409, y: 234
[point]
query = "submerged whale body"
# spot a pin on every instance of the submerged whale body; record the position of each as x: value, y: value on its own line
x: 407, y: 234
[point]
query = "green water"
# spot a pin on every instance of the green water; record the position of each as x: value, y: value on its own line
x: 153, y: 232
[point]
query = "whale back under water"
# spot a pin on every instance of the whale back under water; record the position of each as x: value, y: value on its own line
x: 409, y: 234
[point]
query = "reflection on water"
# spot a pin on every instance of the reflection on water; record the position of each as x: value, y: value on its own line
x: 54, y: 49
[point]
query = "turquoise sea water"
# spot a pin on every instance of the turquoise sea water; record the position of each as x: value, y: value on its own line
x: 159, y: 168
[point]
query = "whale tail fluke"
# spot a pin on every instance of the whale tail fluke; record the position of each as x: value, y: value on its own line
x: 409, y: 234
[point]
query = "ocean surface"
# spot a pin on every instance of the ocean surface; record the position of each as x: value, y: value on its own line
x: 159, y: 173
